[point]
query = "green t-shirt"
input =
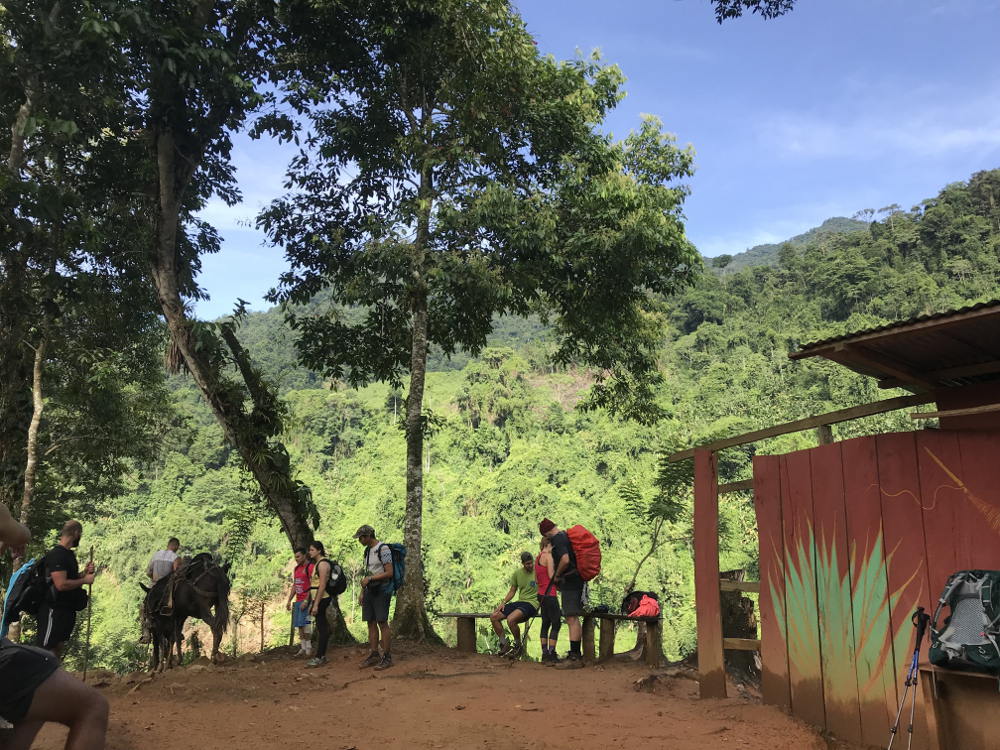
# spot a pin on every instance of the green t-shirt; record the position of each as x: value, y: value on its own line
x: 527, y: 586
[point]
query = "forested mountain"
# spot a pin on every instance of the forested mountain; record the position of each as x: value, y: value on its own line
x: 508, y: 444
x: 767, y: 254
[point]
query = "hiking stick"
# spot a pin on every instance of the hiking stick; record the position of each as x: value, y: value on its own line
x: 919, y: 620
x: 90, y: 594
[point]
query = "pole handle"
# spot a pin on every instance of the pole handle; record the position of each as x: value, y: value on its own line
x: 920, y: 619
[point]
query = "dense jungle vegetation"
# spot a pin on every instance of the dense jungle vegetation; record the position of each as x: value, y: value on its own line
x: 509, y: 445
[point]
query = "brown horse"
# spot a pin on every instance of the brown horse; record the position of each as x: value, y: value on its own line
x: 191, y: 591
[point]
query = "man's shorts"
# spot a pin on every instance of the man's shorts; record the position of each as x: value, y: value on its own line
x: 375, y: 604
x: 22, y: 670
x: 573, y: 599
x: 300, y: 617
x: 55, y: 626
x: 527, y: 608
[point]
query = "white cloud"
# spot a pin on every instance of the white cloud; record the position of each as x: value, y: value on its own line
x: 885, y: 128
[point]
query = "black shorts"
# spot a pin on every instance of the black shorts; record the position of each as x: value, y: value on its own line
x: 526, y: 607
x: 375, y: 604
x: 573, y: 599
x: 22, y: 670
x: 55, y: 626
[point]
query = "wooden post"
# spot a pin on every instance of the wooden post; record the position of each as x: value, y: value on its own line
x: 466, y: 630
x: 262, y: 626
x: 588, y: 639
x: 654, y: 645
x: 711, y: 667
x: 825, y: 434
x: 607, y: 649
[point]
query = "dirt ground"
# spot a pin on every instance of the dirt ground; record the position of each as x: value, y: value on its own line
x: 432, y: 698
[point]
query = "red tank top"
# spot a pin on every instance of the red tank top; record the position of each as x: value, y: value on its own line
x: 542, y: 577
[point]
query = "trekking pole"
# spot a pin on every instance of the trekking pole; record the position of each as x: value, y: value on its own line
x: 90, y: 594
x: 919, y: 620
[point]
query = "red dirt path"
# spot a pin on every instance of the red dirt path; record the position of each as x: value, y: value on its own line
x: 432, y: 698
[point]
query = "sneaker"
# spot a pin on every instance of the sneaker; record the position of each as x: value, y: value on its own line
x: 505, y: 648
x: 372, y: 659
x: 316, y: 661
x: 385, y: 663
x: 515, y: 651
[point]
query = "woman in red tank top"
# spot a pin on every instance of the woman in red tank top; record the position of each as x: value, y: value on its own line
x: 548, y: 602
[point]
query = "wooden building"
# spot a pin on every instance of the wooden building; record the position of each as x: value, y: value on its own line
x: 854, y: 535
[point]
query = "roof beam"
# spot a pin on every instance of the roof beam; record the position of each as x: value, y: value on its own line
x: 809, y: 423
x: 950, y: 373
x: 967, y: 412
x: 936, y: 322
x: 846, y: 354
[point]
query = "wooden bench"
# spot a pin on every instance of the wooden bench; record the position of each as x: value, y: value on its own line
x: 465, y: 628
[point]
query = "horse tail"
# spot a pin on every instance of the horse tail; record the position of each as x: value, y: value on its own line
x: 222, y: 605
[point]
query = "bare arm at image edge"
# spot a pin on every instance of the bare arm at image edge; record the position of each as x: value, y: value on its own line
x: 12, y: 533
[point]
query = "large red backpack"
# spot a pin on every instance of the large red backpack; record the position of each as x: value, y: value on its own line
x: 586, y: 550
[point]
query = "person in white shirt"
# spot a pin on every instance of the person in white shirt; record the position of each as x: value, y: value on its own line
x: 162, y: 563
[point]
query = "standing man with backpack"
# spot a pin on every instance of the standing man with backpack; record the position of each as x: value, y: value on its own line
x: 571, y: 581
x: 376, y: 595
x: 57, y: 615
x: 33, y: 687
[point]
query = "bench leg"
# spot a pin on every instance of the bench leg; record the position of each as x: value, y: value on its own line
x: 588, y: 639
x: 466, y: 629
x: 607, y: 640
x: 654, y: 644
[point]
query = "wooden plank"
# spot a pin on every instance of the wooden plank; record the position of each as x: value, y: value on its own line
x: 978, y: 520
x: 873, y: 646
x: 833, y: 592
x: 466, y: 614
x: 926, y: 681
x: 746, y: 586
x: 905, y: 544
x: 940, y: 461
x: 742, y: 485
x: 587, y: 646
x: 774, y: 652
x: 465, y: 628
x: 985, y: 409
x: 654, y: 644
x: 833, y: 417
x: 805, y: 651
x: 711, y: 667
x: 873, y: 360
x: 741, y: 644
x: 607, y: 641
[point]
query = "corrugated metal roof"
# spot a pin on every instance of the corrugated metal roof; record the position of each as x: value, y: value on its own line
x: 898, y: 325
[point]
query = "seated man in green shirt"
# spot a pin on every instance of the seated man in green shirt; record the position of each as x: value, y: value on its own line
x: 524, y: 585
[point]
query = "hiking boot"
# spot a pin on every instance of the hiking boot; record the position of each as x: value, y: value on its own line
x: 572, y: 661
x: 505, y: 648
x: 371, y: 660
x: 316, y: 661
x: 385, y: 663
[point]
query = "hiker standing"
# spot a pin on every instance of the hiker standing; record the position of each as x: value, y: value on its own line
x: 524, y: 586
x: 322, y: 569
x: 548, y: 602
x: 298, y: 600
x: 162, y: 563
x: 376, y: 594
x: 57, y: 615
x: 33, y: 687
x: 570, y: 584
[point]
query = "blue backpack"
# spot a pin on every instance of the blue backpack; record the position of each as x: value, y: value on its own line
x: 398, y: 565
x: 25, y: 593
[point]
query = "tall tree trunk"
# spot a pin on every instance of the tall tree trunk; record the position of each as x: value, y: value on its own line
x: 411, y: 619
x: 267, y: 463
x: 38, y: 405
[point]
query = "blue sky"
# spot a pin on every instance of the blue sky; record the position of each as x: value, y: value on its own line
x: 838, y: 106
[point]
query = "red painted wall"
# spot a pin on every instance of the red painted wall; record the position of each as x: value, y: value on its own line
x: 854, y: 536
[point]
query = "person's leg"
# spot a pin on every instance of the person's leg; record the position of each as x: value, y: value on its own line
x: 373, y: 637
x: 381, y: 610
x: 575, y: 628
x: 513, y: 619
x: 65, y: 700
x: 496, y: 620
x: 323, y: 628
